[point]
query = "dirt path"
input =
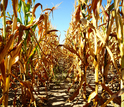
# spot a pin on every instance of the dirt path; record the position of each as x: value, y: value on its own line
x: 57, y: 92
x: 58, y: 95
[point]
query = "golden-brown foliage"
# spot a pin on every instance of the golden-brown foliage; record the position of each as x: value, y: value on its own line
x: 92, y: 39
x: 26, y: 56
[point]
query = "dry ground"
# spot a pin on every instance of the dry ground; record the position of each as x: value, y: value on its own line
x: 57, y: 93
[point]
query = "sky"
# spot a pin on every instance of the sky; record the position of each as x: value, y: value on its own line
x: 61, y: 16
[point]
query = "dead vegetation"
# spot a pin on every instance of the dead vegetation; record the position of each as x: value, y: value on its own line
x: 92, y: 55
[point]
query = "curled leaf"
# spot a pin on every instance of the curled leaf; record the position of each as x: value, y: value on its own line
x: 35, y: 7
x: 54, y: 30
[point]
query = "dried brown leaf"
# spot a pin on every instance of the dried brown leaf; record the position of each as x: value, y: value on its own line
x: 8, y: 22
x: 91, y: 96
x: 15, y: 53
x: 53, y: 30
x: 14, y: 101
x: 94, y: 5
x: 34, y: 23
x: 47, y: 9
x: 1, y: 99
x: 119, y: 93
x: 35, y: 7
x: 112, y: 58
x: 1, y: 6
x: 6, y: 48
x: 87, y: 105
x: 24, y: 84
x: 29, y: 1
x: 107, y: 89
x: 105, y: 104
x: 0, y: 78
x: 14, y: 26
x: 46, y: 21
x: 15, y: 7
x: 2, y: 70
x: 53, y: 8
x: 77, y: 15
x: 71, y: 50
x: 105, y: 13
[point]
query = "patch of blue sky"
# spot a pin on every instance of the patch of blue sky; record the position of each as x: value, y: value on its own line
x: 61, y: 16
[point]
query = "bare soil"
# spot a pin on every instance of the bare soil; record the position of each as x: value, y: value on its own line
x: 57, y: 93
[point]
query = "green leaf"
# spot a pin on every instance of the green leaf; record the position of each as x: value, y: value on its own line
x: 19, y: 6
x: 111, y: 7
x: 27, y: 7
x: 18, y: 20
x: 34, y: 27
x: 33, y: 2
x: 33, y: 52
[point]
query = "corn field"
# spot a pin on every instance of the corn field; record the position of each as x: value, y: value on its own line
x: 92, y: 55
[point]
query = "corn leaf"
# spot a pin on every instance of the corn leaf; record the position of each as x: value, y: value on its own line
x: 2, y: 70
x: 91, y: 96
x: 1, y: 99
x: 5, y: 5
x: 6, y: 48
x: 35, y: 7
x: 15, y: 7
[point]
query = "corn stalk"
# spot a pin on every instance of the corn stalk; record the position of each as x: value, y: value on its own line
x: 120, y: 36
x: 122, y: 56
x: 6, y: 80
x: 96, y: 60
x: 4, y: 19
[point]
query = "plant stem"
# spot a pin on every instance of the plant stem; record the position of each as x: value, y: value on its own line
x: 4, y: 20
